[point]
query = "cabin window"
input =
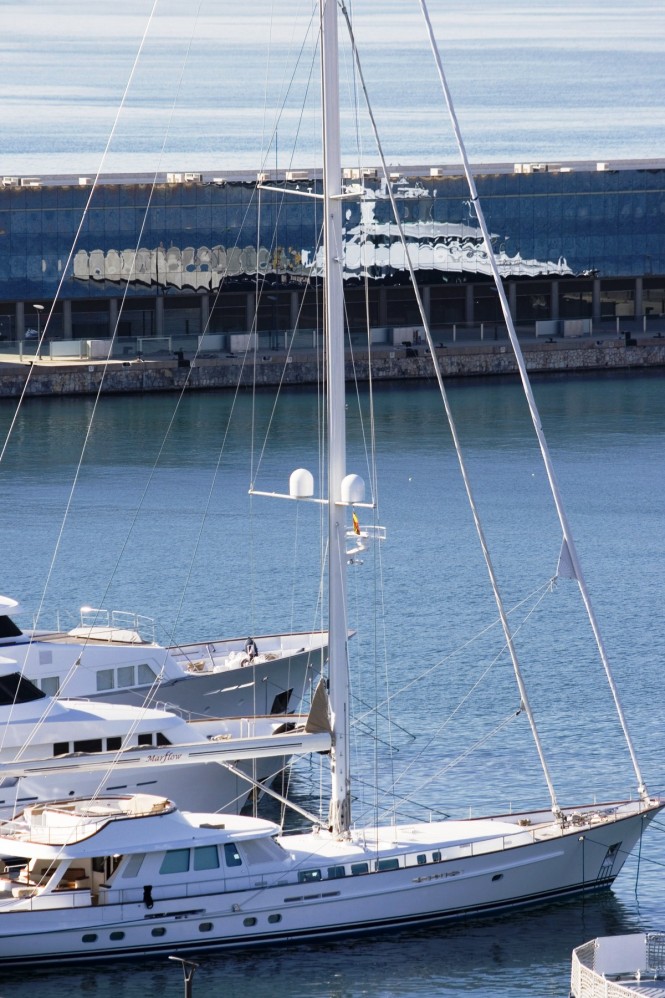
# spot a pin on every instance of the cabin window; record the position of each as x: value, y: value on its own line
x: 388, y: 864
x: 88, y: 745
x: 146, y: 675
x: 144, y: 739
x: 159, y: 931
x: 8, y: 628
x: 117, y: 935
x: 134, y: 864
x: 50, y: 685
x: 15, y: 688
x: 125, y: 675
x: 89, y: 937
x: 45, y: 657
x: 249, y: 922
x: 274, y: 918
x: 113, y: 744
x: 308, y: 876
x: 98, y: 864
x: 206, y: 858
x: 175, y: 861
x: 104, y: 680
x: 206, y: 927
x: 281, y: 702
x: 421, y: 858
x: 357, y: 869
x: 60, y: 748
x: 162, y: 739
x: 436, y: 857
x: 231, y: 855
x: 335, y: 872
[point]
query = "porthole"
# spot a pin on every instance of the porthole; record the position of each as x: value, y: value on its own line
x: 117, y: 935
x: 89, y: 937
x: 274, y: 918
x: 497, y: 876
x: 249, y: 921
x: 159, y: 931
x: 205, y: 927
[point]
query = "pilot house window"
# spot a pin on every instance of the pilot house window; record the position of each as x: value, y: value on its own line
x: 175, y: 861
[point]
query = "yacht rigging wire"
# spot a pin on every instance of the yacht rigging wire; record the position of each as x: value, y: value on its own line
x: 556, y: 810
x: 568, y: 546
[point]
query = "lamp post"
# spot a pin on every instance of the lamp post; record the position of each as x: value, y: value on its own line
x: 188, y: 968
x: 39, y: 309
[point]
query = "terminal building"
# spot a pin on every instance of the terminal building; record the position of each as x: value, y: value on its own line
x: 190, y: 254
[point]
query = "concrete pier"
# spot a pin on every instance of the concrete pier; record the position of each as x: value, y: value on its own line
x: 160, y: 374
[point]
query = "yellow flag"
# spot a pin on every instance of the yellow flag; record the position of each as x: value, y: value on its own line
x: 356, y: 525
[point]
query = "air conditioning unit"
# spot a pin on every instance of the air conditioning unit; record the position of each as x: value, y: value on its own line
x: 174, y: 178
x: 84, y: 181
x: 193, y: 178
x: 437, y: 171
x: 297, y: 175
x: 10, y: 181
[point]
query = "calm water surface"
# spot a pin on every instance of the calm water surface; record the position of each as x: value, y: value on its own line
x: 161, y: 523
x: 228, y: 86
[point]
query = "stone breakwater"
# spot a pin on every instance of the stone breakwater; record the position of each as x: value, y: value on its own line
x: 47, y: 378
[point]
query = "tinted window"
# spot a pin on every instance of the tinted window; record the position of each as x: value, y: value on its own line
x: 206, y: 858
x: 105, y: 679
x: 146, y: 675
x: 8, y: 628
x: 16, y: 689
x: 126, y: 675
x: 231, y: 855
x: 88, y: 745
x: 175, y: 861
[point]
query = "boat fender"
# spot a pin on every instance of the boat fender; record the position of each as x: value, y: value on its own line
x: 147, y: 896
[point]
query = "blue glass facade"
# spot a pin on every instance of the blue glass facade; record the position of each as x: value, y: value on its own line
x: 181, y: 240
x: 197, y: 236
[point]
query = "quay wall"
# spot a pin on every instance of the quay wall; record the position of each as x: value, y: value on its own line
x: 48, y: 378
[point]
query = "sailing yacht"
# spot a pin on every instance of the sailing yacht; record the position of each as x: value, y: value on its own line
x: 119, y: 876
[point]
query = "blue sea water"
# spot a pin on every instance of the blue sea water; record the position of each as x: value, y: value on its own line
x: 228, y: 86
x: 162, y: 524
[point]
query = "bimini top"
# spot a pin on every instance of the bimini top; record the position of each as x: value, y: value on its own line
x: 111, y: 825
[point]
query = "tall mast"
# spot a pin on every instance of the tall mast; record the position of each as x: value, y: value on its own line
x: 340, y: 803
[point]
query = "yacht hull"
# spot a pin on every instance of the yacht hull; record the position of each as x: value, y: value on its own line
x: 470, y: 879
